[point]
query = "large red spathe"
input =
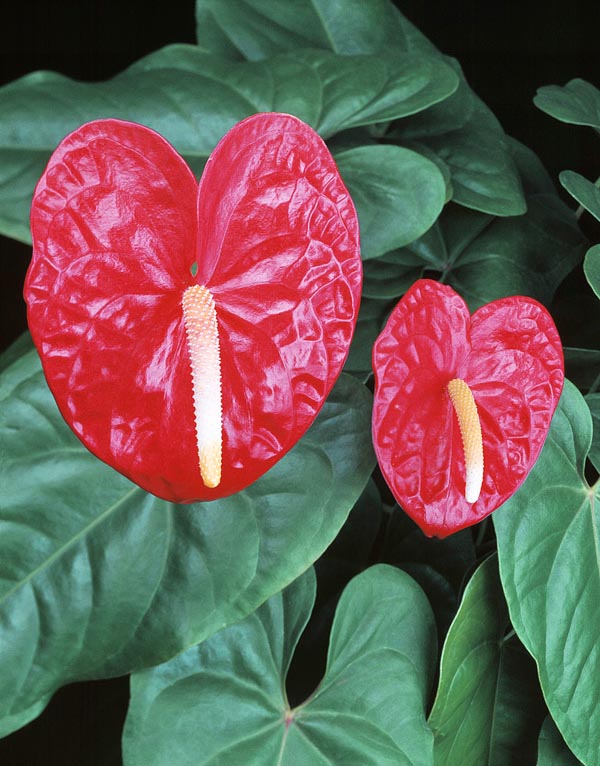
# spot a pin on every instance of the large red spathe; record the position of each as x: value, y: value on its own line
x: 120, y: 226
x: 510, y: 356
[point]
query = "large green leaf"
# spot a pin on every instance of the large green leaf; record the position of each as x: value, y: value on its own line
x: 485, y: 258
x: 464, y: 133
x: 398, y: 195
x: 552, y: 750
x: 591, y: 267
x: 461, y: 131
x: 584, y: 191
x: 224, y: 701
x: 548, y: 535
x: 487, y: 709
x: 193, y: 99
x: 257, y: 29
x: 578, y: 102
x: 98, y: 577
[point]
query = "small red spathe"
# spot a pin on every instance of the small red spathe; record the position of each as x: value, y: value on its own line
x: 435, y: 367
x: 183, y: 324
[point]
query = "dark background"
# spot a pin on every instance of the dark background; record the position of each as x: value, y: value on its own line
x: 507, y: 51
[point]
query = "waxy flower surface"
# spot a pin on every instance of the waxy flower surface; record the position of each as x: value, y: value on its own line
x: 190, y: 333
x: 463, y: 403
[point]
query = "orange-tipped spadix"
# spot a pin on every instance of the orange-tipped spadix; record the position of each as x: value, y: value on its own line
x: 470, y: 431
x: 200, y: 318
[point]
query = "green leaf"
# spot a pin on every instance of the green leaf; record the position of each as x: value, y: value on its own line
x: 371, y: 318
x: 398, y: 195
x: 404, y: 544
x: 429, y: 154
x: 464, y: 133
x: 439, y: 566
x: 17, y: 349
x: 224, y: 701
x: 578, y: 102
x: 552, y: 750
x: 593, y: 402
x: 485, y: 709
x: 263, y: 28
x: 486, y: 258
x: 98, y: 578
x: 193, y: 99
x: 582, y: 366
x: 591, y: 268
x: 584, y: 191
x: 548, y: 547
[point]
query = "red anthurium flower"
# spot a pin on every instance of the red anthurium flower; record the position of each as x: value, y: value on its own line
x: 189, y: 332
x: 462, y: 403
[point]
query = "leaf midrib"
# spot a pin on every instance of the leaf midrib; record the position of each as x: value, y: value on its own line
x: 65, y: 546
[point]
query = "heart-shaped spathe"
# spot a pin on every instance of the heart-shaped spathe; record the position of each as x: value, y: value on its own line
x: 266, y: 250
x: 508, y: 355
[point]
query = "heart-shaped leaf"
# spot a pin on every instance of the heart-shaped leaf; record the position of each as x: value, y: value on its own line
x: 462, y: 404
x: 99, y: 578
x: 485, y: 709
x: 234, y: 362
x: 224, y: 701
x: 578, y: 102
x: 193, y: 99
x: 398, y: 195
x: 550, y: 567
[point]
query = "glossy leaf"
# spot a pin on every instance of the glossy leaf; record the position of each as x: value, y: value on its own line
x: 488, y: 703
x: 398, y: 195
x: 509, y: 355
x: 263, y: 28
x: 552, y: 750
x: 464, y: 133
x: 98, y: 578
x: 224, y: 701
x: 591, y: 267
x: 578, y: 102
x: 486, y: 258
x: 116, y: 233
x: 548, y: 548
x: 193, y: 99
x: 584, y: 191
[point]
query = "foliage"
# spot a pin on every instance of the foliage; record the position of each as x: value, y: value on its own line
x: 214, y: 608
